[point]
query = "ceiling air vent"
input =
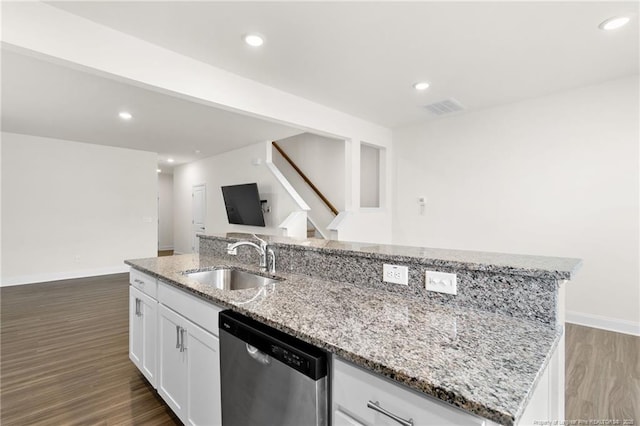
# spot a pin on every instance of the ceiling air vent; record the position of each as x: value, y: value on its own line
x: 447, y: 106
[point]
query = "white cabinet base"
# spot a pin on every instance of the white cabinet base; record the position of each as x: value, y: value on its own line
x: 354, y: 387
x: 189, y: 370
x: 142, y: 333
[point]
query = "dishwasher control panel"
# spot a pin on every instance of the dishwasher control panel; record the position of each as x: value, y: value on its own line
x: 299, y: 355
x: 290, y: 358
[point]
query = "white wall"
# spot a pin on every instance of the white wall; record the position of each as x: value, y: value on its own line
x: 556, y: 175
x: 321, y: 159
x: 165, y: 211
x: 231, y: 168
x: 369, y: 176
x: 40, y: 29
x: 72, y: 209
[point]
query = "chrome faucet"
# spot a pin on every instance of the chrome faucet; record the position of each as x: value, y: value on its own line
x: 266, y: 253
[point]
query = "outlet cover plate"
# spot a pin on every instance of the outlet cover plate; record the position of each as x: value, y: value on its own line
x: 441, y: 282
x: 395, y: 274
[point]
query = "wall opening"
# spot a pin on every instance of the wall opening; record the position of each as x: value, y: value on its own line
x: 370, y: 175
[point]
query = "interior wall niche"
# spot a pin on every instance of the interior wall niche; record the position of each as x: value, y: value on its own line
x: 370, y: 175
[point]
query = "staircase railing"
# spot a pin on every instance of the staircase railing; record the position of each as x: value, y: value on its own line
x: 305, y: 178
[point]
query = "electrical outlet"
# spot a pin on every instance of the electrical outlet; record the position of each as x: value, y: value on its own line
x: 395, y: 274
x: 441, y: 282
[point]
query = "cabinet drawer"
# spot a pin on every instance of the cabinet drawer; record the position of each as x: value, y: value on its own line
x: 354, y: 387
x: 203, y: 313
x: 143, y: 282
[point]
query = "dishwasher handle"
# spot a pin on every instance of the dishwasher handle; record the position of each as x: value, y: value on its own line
x: 258, y: 355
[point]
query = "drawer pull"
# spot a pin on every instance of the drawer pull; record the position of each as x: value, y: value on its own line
x: 138, y: 281
x: 376, y: 407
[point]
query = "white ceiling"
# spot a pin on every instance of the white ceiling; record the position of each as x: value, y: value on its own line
x: 362, y: 57
x: 46, y: 99
x: 357, y: 57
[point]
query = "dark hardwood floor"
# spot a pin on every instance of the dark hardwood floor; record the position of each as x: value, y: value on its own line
x: 64, y: 357
x: 64, y: 360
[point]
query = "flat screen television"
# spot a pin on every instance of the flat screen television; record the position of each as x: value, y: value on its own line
x: 243, y: 204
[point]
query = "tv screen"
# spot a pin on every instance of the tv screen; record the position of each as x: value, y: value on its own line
x: 243, y: 204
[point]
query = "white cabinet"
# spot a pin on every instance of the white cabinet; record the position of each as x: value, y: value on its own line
x: 142, y: 332
x: 342, y: 419
x: 203, y: 377
x: 189, y: 361
x: 172, y: 385
x: 143, y: 282
x: 361, y: 398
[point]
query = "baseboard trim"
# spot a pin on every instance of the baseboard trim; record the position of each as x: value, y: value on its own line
x: 605, y: 323
x: 67, y: 275
x: 165, y: 248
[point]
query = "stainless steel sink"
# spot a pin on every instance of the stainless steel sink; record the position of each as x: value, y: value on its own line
x: 230, y: 279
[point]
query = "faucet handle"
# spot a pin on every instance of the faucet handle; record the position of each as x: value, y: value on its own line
x: 271, y: 261
x: 231, y: 249
x: 263, y: 243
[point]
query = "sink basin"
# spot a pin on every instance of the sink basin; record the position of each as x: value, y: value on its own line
x: 230, y: 279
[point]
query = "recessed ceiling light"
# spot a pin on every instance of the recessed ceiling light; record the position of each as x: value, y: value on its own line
x: 614, y: 23
x: 159, y: 170
x: 421, y: 85
x: 197, y: 151
x: 254, y: 40
x: 170, y: 160
x: 125, y: 115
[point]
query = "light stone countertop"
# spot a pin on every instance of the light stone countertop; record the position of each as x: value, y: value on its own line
x: 561, y: 268
x: 484, y: 363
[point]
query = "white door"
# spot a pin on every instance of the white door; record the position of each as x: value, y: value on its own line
x: 172, y: 369
x: 342, y: 419
x: 149, y: 315
x: 203, y: 377
x: 136, y: 328
x: 199, y: 214
x: 142, y: 333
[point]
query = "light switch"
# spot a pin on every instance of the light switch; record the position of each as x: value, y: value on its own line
x: 441, y: 282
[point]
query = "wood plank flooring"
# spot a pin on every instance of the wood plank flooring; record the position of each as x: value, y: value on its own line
x: 64, y: 357
x: 602, y: 373
x: 64, y: 361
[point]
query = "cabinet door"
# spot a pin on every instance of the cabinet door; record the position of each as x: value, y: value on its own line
x: 149, y: 314
x: 368, y: 396
x: 143, y: 321
x: 172, y: 371
x: 203, y: 377
x: 343, y: 419
x: 136, y: 328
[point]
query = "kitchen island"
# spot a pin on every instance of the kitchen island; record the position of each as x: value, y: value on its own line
x: 485, y: 363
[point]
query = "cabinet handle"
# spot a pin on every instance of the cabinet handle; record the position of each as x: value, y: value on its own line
x: 376, y: 407
x: 182, y: 347
x: 137, y: 307
x: 138, y: 281
x: 177, y: 336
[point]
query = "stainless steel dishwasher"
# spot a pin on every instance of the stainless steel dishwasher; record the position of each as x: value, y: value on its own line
x: 269, y: 377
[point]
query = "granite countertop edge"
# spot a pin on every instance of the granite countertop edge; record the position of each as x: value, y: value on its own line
x: 396, y: 375
x: 496, y: 262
